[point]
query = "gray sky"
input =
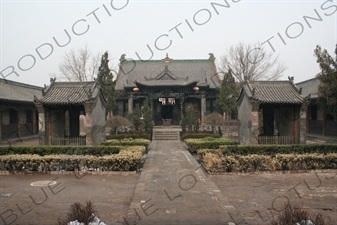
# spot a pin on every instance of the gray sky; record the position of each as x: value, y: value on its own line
x: 27, y: 26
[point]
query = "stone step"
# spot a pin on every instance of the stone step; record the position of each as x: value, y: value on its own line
x: 166, y: 135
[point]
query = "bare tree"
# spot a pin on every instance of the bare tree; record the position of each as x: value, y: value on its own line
x: 79, y: 65
x: 251, y: 61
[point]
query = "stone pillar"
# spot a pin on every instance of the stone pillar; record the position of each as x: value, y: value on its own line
x: 42, y: 124
x: 66, y: 123
x: 324, y: 123
x: 18, y: 133
x: 88, y: 119
x: 203, y: 107
x: 33, y: 122
x: 255, y: 122
x: 130, y: 104
x: 181, y: 107
x: 303, y: 122
x: 0, y: 124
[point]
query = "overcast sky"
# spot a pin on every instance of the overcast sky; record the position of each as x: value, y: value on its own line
x: 194, y: 29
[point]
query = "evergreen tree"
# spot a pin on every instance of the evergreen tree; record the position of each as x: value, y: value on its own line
x: 105, y: 80
x: 135, y: 117
x: 148, y: 117
x: 327, y: 90
x: 228, y: 94
x: 189, y: 119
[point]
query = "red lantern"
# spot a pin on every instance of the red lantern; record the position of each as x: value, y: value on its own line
x: 195, y: 89
x: 135, y: 89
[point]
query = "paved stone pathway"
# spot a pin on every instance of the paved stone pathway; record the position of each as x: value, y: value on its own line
x: 173, y: 189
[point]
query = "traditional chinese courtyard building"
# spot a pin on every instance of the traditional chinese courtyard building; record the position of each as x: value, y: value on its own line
x: 18, y: 114
x: 272, y: 112
x: 71, y: 113
x: 319, y: 122
x: 171, y: 85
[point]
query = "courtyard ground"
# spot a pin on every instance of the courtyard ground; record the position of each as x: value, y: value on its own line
x: 257, y: 197
x: 172, y: 189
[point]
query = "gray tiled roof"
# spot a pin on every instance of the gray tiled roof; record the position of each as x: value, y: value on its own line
x: 166, y: 82
x: 309, y: 87
x: 69, y: 93
x: 203, y: 71
x: 15, y: 91
x: 279, y: 92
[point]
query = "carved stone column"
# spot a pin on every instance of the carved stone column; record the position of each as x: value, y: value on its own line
x: 130, y: 104
x: 203, y: 107
x: 255, y: 122
x: 0, y: 124
x: 42, y: 124
x: 303, y: 122
x: 88, y: 119
x: 181, y: 107
x: 18, y: 133
x: 66, y: 123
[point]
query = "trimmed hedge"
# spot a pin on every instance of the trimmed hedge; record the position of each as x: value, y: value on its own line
x: 198, y: 135
x: 206, y: 143
x: 127, y: 142
x: 68, y: 150
x: 126, y: 160
x: 215, y: 163
x: 277, y: 149
x: 129, y: 136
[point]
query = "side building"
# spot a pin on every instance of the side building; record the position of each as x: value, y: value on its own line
x: 171, y: 85
x: 18, y: 114
x: 272, y: 112
x: 319, y: 122
x: 71, y: 113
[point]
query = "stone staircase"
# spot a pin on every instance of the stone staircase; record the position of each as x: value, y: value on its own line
x: 166, y: 133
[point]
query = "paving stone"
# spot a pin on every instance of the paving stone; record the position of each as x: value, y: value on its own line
x: 190, y: 195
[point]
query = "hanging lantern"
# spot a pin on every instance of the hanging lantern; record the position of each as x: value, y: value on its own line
x: 135, y: 89
x: 195, y: 89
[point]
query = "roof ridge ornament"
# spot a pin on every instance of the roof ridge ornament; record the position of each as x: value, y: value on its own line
x: 211, y: 57
x: 167, y: 59
x: 122, y: 58
x: 297, y: 89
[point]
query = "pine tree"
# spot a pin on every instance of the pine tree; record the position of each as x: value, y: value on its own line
x: 228, y: 94
x: 327, y: 90
x: 105, y: 80
x: 147, y: 114
x: 135, y: 117
x: 189, y: 119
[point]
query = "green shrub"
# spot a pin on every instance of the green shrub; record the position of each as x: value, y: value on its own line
x: 277, y: 149
x: 126, y: 160
x: 128, y: 136
x: 206, y: 143
x: 127, y: 142
x: 215, y: 162
x: 68, y: 150
x: 198, y: 135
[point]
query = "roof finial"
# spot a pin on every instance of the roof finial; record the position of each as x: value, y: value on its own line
x: 167, y: 59
x: 211, y: 57
x: 122, y: 58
